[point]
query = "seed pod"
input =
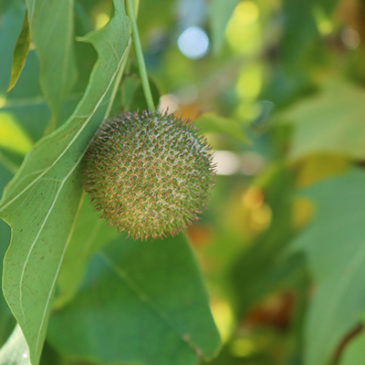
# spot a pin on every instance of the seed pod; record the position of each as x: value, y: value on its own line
x: 148, y: 173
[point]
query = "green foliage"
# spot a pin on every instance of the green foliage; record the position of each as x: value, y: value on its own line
x: 354, y: 353
x: 10, y: 26
x: 210, y: 122
x: 24, y: 104
x: 260, y: 268
x: 132, y: 94
x: 279, y: 95
x: 133, y: 290
x: 20, y: 53
x: 319, y: 123
x: 91, y: 231
x: 337, y: 263
x: 52, y: 37
x: 50, y: 176
x: 6, y: 320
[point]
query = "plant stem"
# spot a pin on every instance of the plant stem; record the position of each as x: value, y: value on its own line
x: 139, y: 54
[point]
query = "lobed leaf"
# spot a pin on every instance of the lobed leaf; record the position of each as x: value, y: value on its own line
x: 43, y: 200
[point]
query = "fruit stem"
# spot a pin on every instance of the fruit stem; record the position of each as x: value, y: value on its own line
x: 139, y: 54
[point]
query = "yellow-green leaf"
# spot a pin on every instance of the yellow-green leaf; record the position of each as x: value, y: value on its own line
x: 20, y: 53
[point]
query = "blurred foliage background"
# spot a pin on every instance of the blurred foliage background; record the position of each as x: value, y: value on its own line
x: 277, y: 86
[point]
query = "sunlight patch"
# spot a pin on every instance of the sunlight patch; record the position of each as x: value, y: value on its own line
x: 12, y: 137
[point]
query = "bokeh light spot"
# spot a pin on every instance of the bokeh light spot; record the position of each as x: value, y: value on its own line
x: 12, y: 137
x: 168, y: 103
x: 226, y: 162
x: 101, y: 20
x: 242, y: 347
x: 247, y: 12
x: 351, y: 38
x: 253, y: 198
x: 324, y: 24
x: 243, y: 30
x: 250, y: 82
x: 193, y: 43
x: 223, y: 317
x: 2, y: 101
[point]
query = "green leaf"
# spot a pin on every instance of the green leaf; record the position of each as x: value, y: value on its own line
x: 138, y: 101
x: 91, y: 233
x: 20, y: 53
x: 48, y: 187
x: 300, y: 48
x: 132, y: 95
x: 354, y: 353
x: 31, y: 114
x: 141, y: 303
x: 165, y: 10
x: 24, y: 105
x: 10, y: 25
x: 335, y: 247
x: 51, y: 26
x: 6, y: 318
x: 7, y: 169
x: 220, y: 13
x: 332, y: 122
x: 211, y: 122
x: 301, y: 31
x: 15, y: 351
x: 49, y: 356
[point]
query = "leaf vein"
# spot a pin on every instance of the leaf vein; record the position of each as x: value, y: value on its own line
x: 59, y: 268
x: 123, y: 276
x: 39, y: 233
x: 82, y: 127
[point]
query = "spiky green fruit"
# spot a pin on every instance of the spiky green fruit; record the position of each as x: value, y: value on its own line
x: 149, y: 174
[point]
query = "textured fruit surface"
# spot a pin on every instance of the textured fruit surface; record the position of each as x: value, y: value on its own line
x: 149, y: 174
